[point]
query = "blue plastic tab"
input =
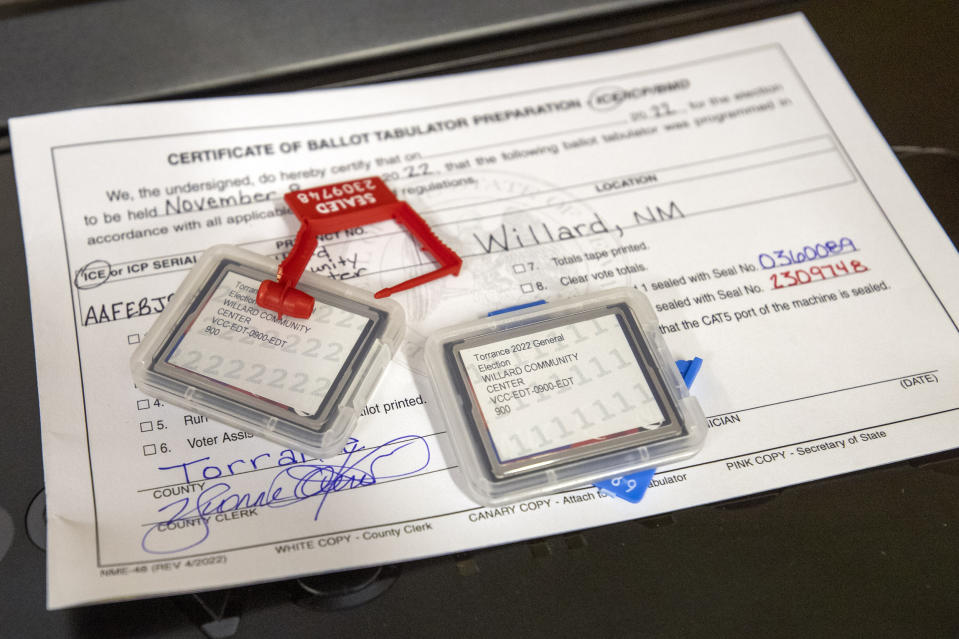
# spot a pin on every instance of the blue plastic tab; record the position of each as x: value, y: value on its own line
x: 632, y: 487
x: 629, y: 487
x: 689, y: 369
x: 518, y: 307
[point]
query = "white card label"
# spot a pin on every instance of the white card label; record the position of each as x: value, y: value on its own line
x: 290, y: 361
x: 560, y: 387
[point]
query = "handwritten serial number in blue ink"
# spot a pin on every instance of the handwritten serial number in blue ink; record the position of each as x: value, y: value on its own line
x: 808, y: 253
x: 186, y: 521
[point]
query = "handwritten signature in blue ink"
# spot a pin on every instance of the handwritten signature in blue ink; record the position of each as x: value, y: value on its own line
x: 292, y: 485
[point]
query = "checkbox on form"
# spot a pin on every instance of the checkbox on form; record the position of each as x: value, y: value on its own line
x: 143, y: 404
x: 526, y: 288
x: 146, y: 427
x: 519, y: 268
x: 133, y: 339
x: 150, y: 449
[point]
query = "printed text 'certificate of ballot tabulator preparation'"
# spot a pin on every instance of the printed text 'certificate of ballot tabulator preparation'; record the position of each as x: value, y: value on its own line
x: 732, y: 177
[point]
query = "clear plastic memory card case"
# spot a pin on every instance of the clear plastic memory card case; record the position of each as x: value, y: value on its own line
x: 301, y: 383
x: 562, y: 395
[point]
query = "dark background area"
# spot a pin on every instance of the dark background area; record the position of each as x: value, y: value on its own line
x: 870, y: 553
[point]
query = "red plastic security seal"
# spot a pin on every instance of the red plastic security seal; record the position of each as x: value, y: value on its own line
x: 345, y: 205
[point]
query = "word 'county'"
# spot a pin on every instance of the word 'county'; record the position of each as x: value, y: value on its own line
x: 189, y: 525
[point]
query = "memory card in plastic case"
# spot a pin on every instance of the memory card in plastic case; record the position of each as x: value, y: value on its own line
x: 562, y: 395
x: 298, y: 382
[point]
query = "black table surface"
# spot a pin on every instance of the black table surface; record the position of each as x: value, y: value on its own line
x: 869, y: 553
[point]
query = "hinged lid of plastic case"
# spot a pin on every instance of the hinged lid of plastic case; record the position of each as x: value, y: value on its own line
x: 562, y: 395
x: 299, y: 382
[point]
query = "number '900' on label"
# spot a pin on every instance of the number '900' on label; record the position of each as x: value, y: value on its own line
x: 290, y: 361
x: 562, y: 387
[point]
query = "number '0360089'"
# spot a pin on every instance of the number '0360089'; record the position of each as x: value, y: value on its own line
x: 821, y: 250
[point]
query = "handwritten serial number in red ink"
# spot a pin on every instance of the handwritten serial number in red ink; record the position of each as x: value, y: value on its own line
x: 795, y: 277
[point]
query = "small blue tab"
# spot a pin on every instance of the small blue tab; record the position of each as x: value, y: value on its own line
x: 629, y: 487
x: 689, y: 369
x: 518, y: 307
x: 632, y: 487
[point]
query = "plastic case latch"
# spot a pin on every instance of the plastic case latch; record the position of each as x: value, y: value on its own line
x: 633, y: 487
x: 336, y: 207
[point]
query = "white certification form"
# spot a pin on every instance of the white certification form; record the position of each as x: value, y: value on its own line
x: 733, y: 177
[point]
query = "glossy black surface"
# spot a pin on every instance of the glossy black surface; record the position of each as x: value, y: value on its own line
x: 871, y: 553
